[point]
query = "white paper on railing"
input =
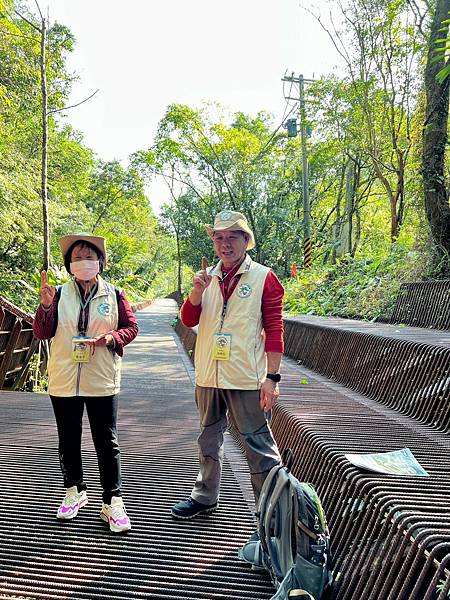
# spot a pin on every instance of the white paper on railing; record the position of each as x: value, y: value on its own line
x: 398, y: 462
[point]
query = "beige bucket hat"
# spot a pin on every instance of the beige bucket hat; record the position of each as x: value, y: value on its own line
x: 68, y: 240
x: 230, y: 219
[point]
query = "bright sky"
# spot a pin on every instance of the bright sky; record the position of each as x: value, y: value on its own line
x: 145, y: 54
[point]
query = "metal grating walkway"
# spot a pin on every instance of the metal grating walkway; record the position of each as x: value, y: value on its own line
x: 41, y: 558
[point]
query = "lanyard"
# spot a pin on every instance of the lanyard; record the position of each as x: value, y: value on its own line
x: 84, y: 303
x: 236, y: 276
x: 225, y: 300
x: 224, y: 312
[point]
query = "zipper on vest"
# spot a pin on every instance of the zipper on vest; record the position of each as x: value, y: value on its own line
x: 84, y: 326
x: 224, y: 312
x: 77, y: 390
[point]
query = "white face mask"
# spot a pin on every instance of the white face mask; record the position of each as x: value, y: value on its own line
x: 85, y: 269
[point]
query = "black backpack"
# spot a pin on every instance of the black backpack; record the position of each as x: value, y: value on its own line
x: 294, y: 543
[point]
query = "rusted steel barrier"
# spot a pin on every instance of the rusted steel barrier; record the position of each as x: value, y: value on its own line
x: 135, y: 306
x: 17, y: 345
x: 390, y: 534
x: 423, y: 304
x: 177, y: 296
x: 187, y: 336
x: 410, y: 377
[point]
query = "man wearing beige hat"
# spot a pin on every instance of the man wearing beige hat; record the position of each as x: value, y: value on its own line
x: 238, y: 307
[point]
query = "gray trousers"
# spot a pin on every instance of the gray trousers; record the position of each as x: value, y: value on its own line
x: 243, y: 409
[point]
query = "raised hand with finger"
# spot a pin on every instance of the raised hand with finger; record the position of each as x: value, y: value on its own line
x: 47, y: 291
x: 201, y: 281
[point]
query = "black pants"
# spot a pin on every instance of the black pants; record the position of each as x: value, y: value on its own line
x: 102, y: 414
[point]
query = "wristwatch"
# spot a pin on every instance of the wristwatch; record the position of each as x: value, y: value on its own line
x: 276, y: 377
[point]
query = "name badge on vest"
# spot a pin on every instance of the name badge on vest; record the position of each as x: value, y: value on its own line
x: 221, y: 346
x: 81, y: 351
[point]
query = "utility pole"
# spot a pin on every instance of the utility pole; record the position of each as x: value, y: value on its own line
x: 292, y: 131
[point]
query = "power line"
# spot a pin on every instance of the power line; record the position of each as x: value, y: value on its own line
x: 274, y: 133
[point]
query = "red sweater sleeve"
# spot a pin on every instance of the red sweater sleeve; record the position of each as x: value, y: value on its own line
x: 127, y: 328
x: 46, y: 321
x: 190, y: 314
x: 272, y: 313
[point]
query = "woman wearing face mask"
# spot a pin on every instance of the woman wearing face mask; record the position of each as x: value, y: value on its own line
x: 89, y: 321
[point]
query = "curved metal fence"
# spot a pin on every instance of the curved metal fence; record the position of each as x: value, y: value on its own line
x: 390, y: 534
x: 423, y: 304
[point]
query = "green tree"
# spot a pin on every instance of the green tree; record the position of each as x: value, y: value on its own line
x: 120, y: 211
x: 435, y: 135
x: 380, y: 50
x: 239, y: 165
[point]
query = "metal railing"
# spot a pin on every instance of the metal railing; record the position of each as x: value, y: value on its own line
x: 17, y: 345
x: 410, y: 377
x: 423, y: 304
x: 390, y: 534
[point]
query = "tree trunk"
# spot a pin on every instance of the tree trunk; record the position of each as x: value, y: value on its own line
x: 350, y: 188
x: 357, y: 236
x: 435, y: 137
x: 337, y: 229
x: 44, y: 196
x: 179, y: 278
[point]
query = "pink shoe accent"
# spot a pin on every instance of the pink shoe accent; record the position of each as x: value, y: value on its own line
x: 119, y: 523
x: 67, y: 509
x: 123, y: 521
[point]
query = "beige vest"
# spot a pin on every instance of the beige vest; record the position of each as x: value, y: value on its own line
x: 101, y: 375
x: 247, y: 367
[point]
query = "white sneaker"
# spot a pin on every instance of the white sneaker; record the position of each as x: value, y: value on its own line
x: 73, y: 501
x: 116, y: 515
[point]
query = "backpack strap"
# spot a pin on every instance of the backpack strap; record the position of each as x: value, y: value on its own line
x: 287, y: 458
x: 277, y: 520
x: 264, y: 496
x: 302, y: 540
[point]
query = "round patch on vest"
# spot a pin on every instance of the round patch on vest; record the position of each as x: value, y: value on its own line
x: 244, y: 290
x: 104, y: 309
x: 225, y: 215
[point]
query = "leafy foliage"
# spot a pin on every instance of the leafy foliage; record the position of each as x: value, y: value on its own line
x: 363, y: 288
x: 368, y: 223
x: 442, y: 52
x: 85, y: 194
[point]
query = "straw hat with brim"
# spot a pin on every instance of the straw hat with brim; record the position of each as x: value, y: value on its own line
x: 234, y: 221
x: 67, y: 241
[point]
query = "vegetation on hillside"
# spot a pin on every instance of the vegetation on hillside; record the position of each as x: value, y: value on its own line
x: 378, y: 170
x: 85, y: 194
